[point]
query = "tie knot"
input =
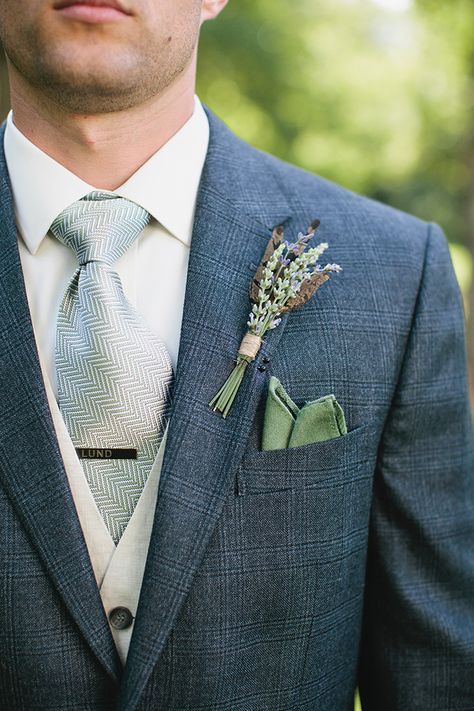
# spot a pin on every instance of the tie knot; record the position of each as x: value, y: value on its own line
x: 100, y: 227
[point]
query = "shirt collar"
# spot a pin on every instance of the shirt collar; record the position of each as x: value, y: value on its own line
x: 166, y: 185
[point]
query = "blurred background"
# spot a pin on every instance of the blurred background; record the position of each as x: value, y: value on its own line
x: 377, y: 95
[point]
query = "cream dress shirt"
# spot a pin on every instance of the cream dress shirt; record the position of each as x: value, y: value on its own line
x: 153, y: 274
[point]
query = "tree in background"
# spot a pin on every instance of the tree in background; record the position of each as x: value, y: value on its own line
x: 452, y: 24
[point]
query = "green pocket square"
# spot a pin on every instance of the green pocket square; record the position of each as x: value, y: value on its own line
x: 285, y: 425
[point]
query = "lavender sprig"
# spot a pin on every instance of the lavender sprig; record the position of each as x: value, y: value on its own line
x: 287, y: 277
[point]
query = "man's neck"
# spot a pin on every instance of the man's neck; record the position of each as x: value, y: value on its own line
x: 104, y: 150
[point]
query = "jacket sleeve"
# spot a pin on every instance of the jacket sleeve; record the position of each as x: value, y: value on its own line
x: 417, y: 649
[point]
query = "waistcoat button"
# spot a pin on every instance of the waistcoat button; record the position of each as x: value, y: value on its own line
x: 120, y: 618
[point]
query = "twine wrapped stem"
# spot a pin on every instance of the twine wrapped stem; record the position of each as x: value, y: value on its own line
x: 250, y: 346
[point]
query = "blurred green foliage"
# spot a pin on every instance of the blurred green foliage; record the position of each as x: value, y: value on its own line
x: 376, y: 99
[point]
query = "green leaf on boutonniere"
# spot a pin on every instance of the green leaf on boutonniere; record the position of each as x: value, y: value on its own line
x: 287, y: 276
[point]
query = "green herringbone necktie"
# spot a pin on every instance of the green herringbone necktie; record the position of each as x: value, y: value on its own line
x: 114, y: 375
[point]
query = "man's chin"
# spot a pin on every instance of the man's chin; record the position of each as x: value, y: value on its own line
x: 85, y: 97
x: 82, y: 80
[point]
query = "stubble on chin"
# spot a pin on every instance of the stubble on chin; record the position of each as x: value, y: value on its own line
x: 94, y: 76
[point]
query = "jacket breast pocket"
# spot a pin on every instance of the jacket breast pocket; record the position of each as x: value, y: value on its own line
x: 312, y: 465
x: 307, y: 509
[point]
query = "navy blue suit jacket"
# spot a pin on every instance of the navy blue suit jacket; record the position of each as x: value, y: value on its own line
x: 275, y: 580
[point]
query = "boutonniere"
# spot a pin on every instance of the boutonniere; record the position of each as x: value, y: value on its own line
x: 288, y: 275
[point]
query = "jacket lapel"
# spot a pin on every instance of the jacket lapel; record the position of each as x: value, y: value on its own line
x: 203, y: 449
x: 31, y: 468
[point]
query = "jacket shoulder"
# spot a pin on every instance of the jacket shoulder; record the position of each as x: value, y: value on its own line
x: 360, y: 218
x: 262, y: 185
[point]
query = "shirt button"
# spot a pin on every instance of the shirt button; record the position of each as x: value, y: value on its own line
x: 120, y: 618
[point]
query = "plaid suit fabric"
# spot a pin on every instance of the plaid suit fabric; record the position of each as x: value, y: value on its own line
x: 315, y: 569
